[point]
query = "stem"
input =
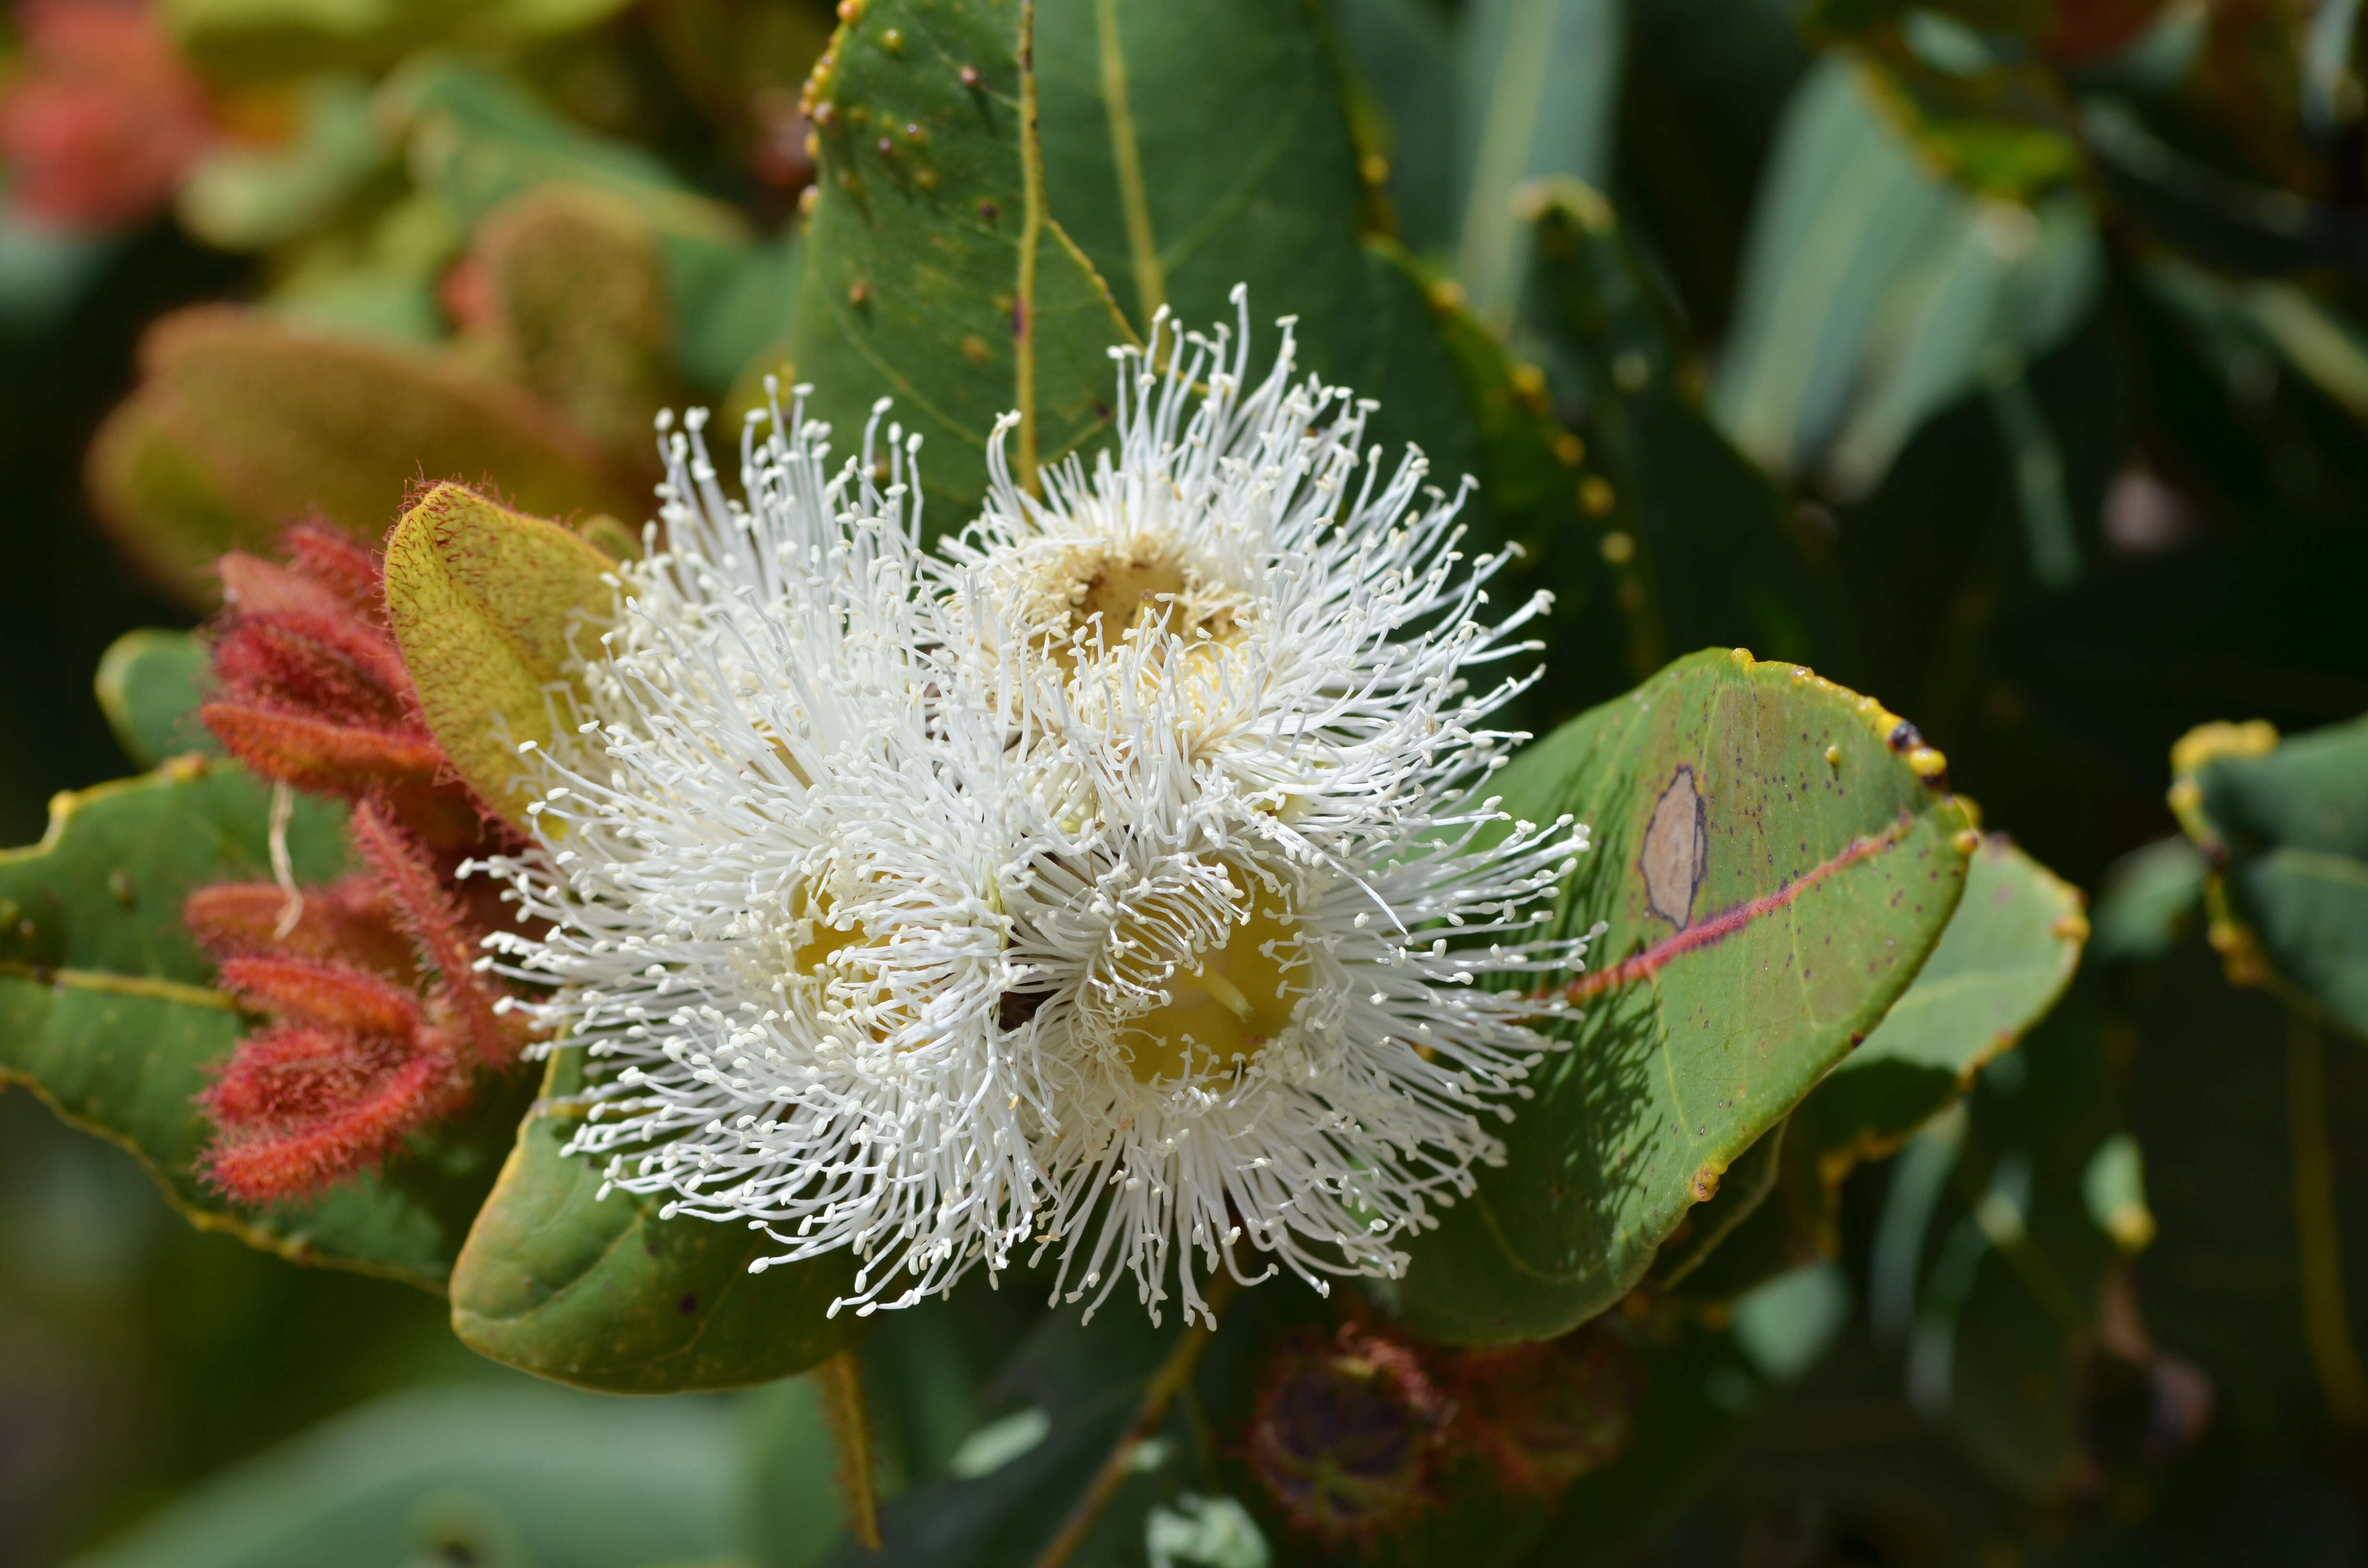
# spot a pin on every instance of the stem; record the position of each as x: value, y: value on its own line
x: 1170, y: 1380
x: 1126, y: 158
x: 1031, y: 232
x: 841, y: 1381
x: 2325, y: 1316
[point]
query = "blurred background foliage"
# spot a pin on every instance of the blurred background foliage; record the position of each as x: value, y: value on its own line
x: 2005, y: 360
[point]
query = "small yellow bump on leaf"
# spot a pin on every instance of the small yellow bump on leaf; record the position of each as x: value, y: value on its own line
x: 1833, y: 756
x: 489, y: 607
x: 2209, y: 743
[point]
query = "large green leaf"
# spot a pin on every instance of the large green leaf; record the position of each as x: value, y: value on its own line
x: 2007, y: 954
x: 1700, y: 547
x: 966, y: 266
x: 602, y: 1293
x: 1403, y: 56
x: 1537, y: 84
x: 1774, y: 859
x: 1874, y: 294
x: 244, y: 41
x: 2285, y: 825
x: 107, y: 1012
x: 934, y: 270
x: 501, y: 1477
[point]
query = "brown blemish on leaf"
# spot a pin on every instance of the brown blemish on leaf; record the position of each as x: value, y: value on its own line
x: 1676, y: 852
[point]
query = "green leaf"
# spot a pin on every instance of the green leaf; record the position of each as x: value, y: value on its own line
x: 2007, y: 956
x: 488, y: 606
x: 1910, y: 289
x: 1771, y: 873
x: 2146, y: 900
x: 107, y: 1012
x: 150, y: 683
x: 1706, y: 1227
x: 475, y: 139
x: 1192, y: 148
x: 1701, y: 548
x: 1537, y: 84
x: 918, y: 256
x: 241, y: 196
x: 260, y: 423
x: 2285, y: 825
x: 1402, y: 53
x: 935, y: 270
x: 163, y: 506
x: 501, y: 1477
x: 602, y: 1293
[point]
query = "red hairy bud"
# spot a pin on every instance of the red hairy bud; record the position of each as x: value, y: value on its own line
x: 1545, y: 1415
x: 348, y: 921
x: 301, y: 1107
x: 382, y: 1021
x: 1344, y: 1436
x: 102, y: 118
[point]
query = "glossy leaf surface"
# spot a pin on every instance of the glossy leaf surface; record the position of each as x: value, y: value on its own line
x: 604, y: 1294
x: 2286, y: 823
x: 1771, y: 873
x: 108, y: 1011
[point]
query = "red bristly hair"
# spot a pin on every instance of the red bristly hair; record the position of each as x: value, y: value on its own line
x: 381, y: 1022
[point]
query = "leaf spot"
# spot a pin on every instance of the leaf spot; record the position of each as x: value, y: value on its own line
x: 1676, y: 854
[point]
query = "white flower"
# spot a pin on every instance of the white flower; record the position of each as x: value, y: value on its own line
x: 772, y: 870
x: 1260, y: 998
x: 1122, y: 880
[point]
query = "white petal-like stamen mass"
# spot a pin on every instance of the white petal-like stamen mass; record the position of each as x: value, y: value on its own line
x: 1265, y: 1009
x: 771, y: 866
x: 1120, y: 880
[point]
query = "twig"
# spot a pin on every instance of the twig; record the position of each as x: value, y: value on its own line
x: 840, y: 1380
x: 2327, y: 1321
x: 1166, y: 1383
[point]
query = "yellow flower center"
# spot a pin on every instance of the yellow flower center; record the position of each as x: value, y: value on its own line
x: 1112, y: 595
x: 1224, y: 1004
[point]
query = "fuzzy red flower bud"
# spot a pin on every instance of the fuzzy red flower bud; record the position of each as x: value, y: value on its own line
x: 104, y: 118
x: 382, y: 1021
x: 1545, y: 1415
x: 349, y: 921
x: 1344, y: 1434
x: 301, y: 1106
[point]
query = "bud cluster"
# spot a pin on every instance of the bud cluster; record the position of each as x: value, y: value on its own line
x: 382, y: 1019
x: 1353, y: 1435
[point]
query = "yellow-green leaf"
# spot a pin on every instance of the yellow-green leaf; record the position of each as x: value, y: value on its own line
x: 603, y: 1293
x: 488, y: 605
